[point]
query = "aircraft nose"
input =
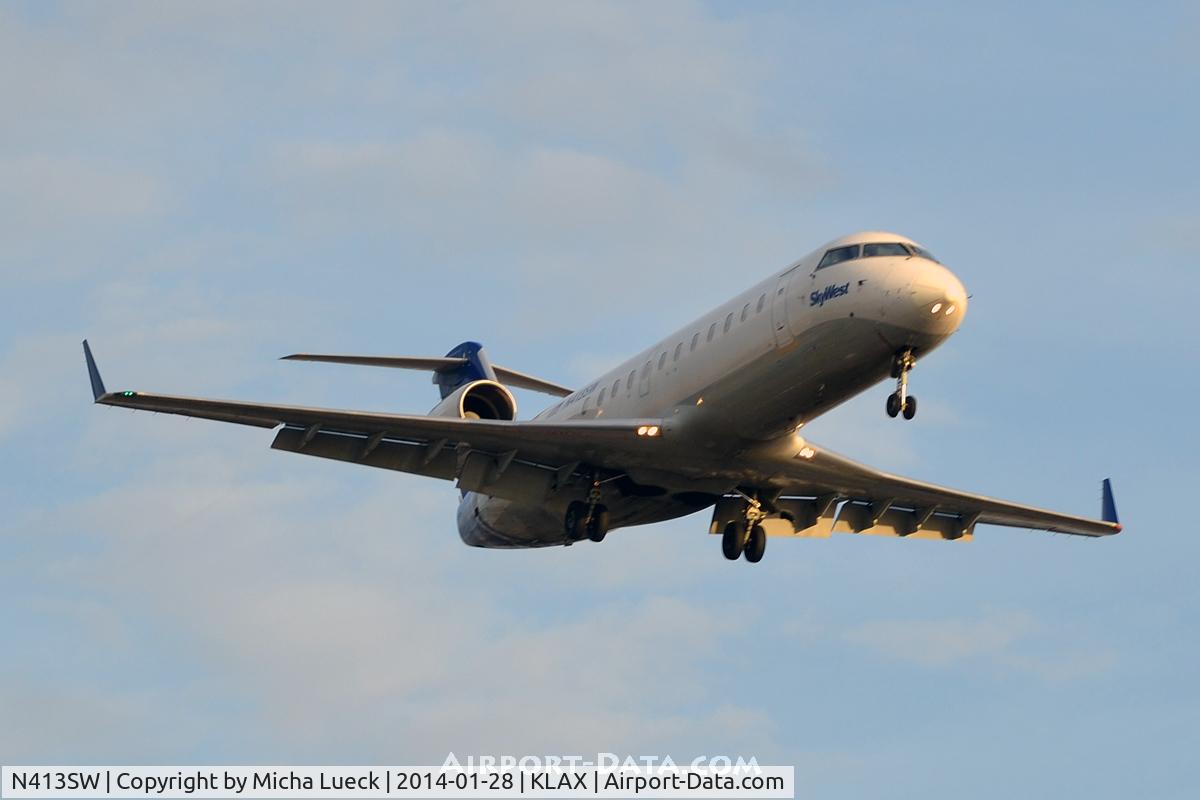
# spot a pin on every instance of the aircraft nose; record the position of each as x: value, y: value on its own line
x: 937, y: 300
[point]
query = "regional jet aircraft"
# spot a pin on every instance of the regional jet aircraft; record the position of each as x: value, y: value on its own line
x: 708, y: 417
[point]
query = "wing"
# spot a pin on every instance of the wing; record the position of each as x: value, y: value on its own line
x: 879, y: 502
x: 503, y: 457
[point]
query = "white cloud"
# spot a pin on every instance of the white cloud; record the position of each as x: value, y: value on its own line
x: 46, y: 192
x: 996, y: 640
x: 48, y: 719
x: 57, y: 211
x: 40, y: 377
x: 942, y: 643
x: 339, y: 606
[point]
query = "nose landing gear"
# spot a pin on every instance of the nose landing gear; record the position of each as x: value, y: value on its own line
x: 900, y: 401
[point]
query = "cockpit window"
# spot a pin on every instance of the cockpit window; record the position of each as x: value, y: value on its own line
x: 837, y: 255
x: 889, y: 249
x: 923, y: 253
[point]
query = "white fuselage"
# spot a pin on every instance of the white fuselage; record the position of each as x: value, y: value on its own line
x: 773, y: 358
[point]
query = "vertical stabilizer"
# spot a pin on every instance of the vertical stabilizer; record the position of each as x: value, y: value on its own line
x: 476, y: 368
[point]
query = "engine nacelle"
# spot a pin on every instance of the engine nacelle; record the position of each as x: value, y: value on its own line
x: 478, y: 400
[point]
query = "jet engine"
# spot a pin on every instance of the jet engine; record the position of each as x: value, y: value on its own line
x: 478, y: 400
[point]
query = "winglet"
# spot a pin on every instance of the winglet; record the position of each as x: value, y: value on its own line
x: 1108, y: 509
x: 98, y: 390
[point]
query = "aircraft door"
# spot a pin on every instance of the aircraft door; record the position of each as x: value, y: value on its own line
x: 779, y: 321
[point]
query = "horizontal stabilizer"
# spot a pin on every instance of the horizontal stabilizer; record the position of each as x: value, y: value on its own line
x: 522, y: 381
x: 509, y: 377
x: 395, y: 362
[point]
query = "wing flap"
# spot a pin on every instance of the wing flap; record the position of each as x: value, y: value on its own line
x: 621, y: 434
x: 480, y: 454
x: 608, y: 443
x: 498, y: 474
x: 822, y: 472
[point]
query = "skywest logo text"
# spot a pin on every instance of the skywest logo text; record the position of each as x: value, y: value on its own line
x: 828, y: 293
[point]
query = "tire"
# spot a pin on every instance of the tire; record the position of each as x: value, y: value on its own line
x: 893, y: 404
x: 910, y: 408
x: 731, y: 540
x: 575, y: 522
x: 597, y: 529
x: 756, y: 545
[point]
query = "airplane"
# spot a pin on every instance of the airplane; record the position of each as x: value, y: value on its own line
x: 708, y: 417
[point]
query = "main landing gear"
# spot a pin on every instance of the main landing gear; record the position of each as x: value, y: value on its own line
x: 746, y: 537
x: 587, y: 520
x: 900, y: 401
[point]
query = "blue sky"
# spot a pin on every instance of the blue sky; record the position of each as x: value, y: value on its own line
x: 202, y: 188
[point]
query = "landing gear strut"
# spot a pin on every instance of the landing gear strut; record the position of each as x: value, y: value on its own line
x: 900, y: 401
x: 746, y: 536
x: 588, y: 519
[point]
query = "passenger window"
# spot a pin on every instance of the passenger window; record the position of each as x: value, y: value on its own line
x: 629, y: 383
x: 728, y: 322
x: 678, y: 351
x: 600, y: 402
x: 712, y: 331
x: 762, y: 301
x: 662, y: 359
x: 745, y: 311
x: 837, y: 255
x: 695, y: 341
x: 872, y: 250
x: 616, y: 387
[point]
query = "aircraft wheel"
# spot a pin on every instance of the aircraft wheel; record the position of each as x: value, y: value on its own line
x: 756, y: 545
x: 910, y: 408
x: 732, y: 541
x: 575, y: 523
x: 893, y: 404
x: 597, y: 527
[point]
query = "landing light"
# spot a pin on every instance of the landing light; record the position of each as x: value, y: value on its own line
x: 936, y: 308
x: 649, y: 430
x: 949, y: 310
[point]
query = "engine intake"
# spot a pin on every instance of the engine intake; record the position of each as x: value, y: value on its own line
x: 478, y: 400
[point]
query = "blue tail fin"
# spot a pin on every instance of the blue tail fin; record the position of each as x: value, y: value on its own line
x: 1108, y: 508
x: 477, y: 368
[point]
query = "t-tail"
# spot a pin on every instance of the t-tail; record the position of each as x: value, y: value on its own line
x: 472, y: 365
x: 464, y: 365
x: 471, y: 387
